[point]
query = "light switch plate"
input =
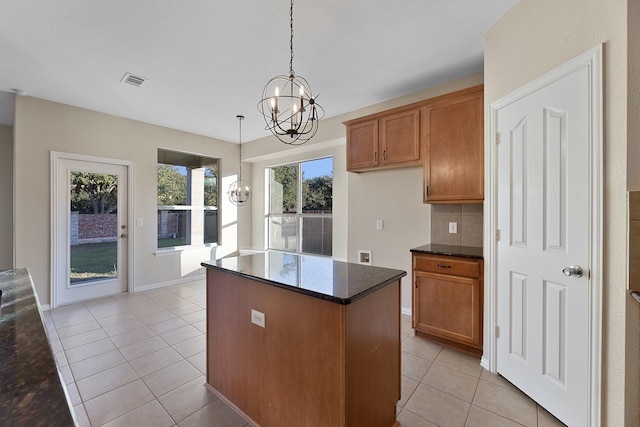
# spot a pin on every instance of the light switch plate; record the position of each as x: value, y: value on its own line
x: 453, y: 227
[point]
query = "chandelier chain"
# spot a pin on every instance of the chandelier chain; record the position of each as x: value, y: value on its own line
x: 291, y: 73
x: 240, y: 118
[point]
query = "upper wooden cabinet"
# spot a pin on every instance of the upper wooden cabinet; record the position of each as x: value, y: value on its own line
x: 452, y: 129
x: 384, y: 141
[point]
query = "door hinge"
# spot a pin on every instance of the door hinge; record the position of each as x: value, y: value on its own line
x: 497, y: 138
x: 426, y: 191
x: 497, y: 235
x: 416, y: 282
x: 497, y: 331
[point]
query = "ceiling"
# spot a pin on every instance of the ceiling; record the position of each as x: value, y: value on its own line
x: 207, y: 61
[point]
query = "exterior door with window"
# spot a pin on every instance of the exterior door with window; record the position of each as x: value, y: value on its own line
x: 90, y: 230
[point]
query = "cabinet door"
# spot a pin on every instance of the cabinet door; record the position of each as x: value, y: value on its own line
x: 454, y: 166
x: 362, y: 145
x: 400, y: 138
x: 448, y: 307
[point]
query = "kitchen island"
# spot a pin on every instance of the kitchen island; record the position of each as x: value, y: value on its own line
x: 295, y: 340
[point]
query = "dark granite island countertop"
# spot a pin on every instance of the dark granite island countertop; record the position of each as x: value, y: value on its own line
x: 450, y: 250
x: 31, y: 392
x: 320, y: 277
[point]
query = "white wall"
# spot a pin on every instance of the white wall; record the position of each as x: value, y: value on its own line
x: 6, y: 197
x: 534, y: 37
x: 43, y: 126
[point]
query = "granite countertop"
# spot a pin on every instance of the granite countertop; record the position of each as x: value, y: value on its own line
x: 31, y: 392
x: 319, y: 277
x: 461, y: 251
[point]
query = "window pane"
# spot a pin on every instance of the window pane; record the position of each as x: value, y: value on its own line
x: 172, y: 185
x: 317, y: 186
x: 93, y: 229
x: 316, y: 235
x: 210, y: 226
x: 283, y: 233
x: 283, y: 188
x: 173, y: 228
x: 211, y: 185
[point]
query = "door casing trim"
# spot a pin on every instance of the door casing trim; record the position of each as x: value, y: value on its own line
x: 591, y: 59
x: 55, y: 157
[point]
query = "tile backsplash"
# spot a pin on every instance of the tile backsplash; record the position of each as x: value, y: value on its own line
x: 469, y: 222
x: 634, y: 240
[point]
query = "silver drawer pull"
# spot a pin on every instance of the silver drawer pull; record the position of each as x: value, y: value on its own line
x: 443, y: 266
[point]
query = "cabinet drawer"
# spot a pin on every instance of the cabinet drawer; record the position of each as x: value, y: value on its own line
x: 447, y: 265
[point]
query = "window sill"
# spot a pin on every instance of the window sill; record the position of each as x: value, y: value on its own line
x: 179, y: 250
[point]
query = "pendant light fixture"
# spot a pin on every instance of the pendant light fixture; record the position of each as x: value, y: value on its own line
x: 239, y: 191
x: 288, y: 105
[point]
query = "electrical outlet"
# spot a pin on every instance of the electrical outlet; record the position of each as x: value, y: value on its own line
x: 257, y: 318
x: 453, y: 227
x: 379, y: 224
x: 139, y: 222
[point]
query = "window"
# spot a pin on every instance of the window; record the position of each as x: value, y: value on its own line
x: 300, y: 206
x: 187, y: 199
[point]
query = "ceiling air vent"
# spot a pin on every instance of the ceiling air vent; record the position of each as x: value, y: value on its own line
x: 132, y: 79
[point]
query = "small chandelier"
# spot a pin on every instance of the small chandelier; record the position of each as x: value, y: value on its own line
x: 288, y: 105
x: 239, y: 192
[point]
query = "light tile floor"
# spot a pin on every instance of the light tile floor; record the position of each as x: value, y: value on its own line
x: 139, y: 360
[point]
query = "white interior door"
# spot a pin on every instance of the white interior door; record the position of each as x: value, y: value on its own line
x: 544, y: 216
x: 91, y: 230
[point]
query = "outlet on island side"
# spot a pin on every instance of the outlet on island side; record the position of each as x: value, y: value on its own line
x: 257, y: 318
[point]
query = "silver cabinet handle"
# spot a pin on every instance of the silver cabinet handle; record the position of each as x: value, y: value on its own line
x: 572, y: 271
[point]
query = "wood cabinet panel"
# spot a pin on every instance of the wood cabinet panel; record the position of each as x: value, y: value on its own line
x: 400, y: 138
x: 454, y: 159
x: 362, y: 145
x: 448, y: 307
x: 447, y: 265
x: 448, y: 300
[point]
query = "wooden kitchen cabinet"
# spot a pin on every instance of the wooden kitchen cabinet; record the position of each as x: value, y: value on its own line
x: 386, y: 140
x: 452, y: 128
x: 448, y: 300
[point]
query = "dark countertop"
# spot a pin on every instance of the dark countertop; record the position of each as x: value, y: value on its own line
x: 319, y: 277
x: 461, y: 251
x: 31, y: 390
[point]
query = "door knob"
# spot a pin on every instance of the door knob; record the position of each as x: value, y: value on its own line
x: 572, y: 271
x: 123, y: 235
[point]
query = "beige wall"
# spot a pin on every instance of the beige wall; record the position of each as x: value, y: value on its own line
x: 632, y: 368
x: 532, y: 38
x: 6, y: 196
x: 360, y: 199
x: 43, y: 126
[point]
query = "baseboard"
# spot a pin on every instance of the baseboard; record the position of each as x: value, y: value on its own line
x: 169, y: 283
x: 484, y: 363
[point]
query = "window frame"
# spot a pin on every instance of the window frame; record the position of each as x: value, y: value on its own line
x: 192, y: 192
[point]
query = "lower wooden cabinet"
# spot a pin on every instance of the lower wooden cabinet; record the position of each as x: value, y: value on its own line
x: 447, y: 300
